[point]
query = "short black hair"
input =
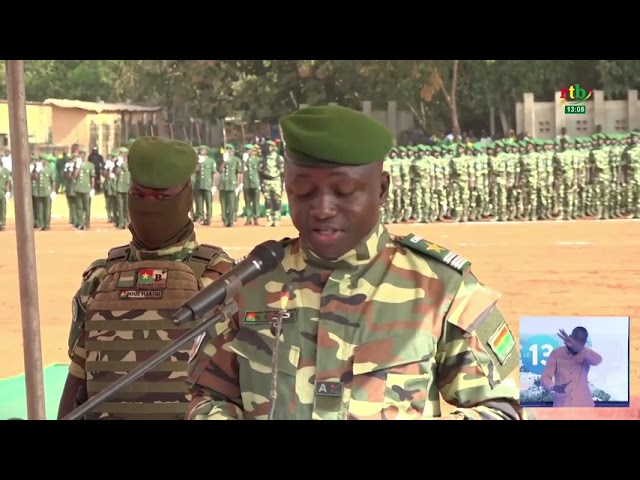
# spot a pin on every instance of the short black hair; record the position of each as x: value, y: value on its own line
x: 581, y: 329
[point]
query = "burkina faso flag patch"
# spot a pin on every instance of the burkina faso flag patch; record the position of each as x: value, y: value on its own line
x: 502, y: 342
x: 152, y: 278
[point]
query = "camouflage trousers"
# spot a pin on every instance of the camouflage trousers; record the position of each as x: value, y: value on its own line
x: 3, y: 210
x: 544, y: 201
x: 422, y: 204
x: 478, y: 202
x: 569, y: 203
x: 438, y: 203
x: 528, y: 201
x: 73, y: 212
x: 122, y: 211
x: 272, y: 190
x: 386, y: 210
x: 406, y: 207
x: 500, y: 198
x: 42, y: 211
x: 396, y: 202
x: 83, y: 208
x: 203, y: 200
x: 634, y: 196
x: 460, y: 199
x: 615, y: 197
x: 111, y: 204
x: 252, y: 204
x: 602, y: 199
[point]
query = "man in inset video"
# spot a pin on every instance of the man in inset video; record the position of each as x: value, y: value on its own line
x: 566, y: 373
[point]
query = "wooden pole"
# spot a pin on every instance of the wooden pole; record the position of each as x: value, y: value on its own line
x: 29, y: 302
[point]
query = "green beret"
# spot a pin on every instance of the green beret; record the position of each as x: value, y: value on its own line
x: 335, y: 134
x: 160, y: 163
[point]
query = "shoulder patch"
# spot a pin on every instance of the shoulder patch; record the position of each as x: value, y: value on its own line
x: 206, y: 252
x: 117, y: 254
x: 97, y: 264
x: 499, y: 343
x: 419, y: 244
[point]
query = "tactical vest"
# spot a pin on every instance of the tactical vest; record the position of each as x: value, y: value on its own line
x: 128, y: 320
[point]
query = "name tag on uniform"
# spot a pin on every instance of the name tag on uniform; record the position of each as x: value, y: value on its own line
x: 253, y: 318
x: 329, y: 389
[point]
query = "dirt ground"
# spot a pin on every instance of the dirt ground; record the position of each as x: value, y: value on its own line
x: 543, y: 268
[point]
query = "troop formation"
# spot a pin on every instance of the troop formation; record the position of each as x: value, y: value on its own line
x: 233, y: 174
x: 506, y: 180
x: 530, y: 179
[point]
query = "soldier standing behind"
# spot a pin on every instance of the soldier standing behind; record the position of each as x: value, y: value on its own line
x: 123, y: 177
x: 272, y: 171
x: 204, y: 186
x: 109, y: 188
x: 84, y: 187
x: 148, y: 280
x: 42, y: 188
x: 5, y: 194
x: 251, y: 183
x: 61, y: 162
x: 69, y: 190
x: 230, y: 185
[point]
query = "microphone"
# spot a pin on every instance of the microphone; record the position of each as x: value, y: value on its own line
x: 262, y: 259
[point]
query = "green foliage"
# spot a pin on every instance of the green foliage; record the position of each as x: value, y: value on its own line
x: 266, y: 89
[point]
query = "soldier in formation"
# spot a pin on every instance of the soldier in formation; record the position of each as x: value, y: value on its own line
x: 507, y: 180
x: 5, y: 194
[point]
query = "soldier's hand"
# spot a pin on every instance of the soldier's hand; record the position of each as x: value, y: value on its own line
x: 52, y: 196
x: 560, y: 388
x: 92, y: 193
x: 7, y: 195
x: 213, y: 190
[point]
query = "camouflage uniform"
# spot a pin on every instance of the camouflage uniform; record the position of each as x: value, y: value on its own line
x: 230, y: 175
x: 602, y: 179
x: 351, y: 351
x: 479, y: 170
x: 387, y: 210
x: 420, y: 173
x: 5, y: 194
x: 272, y: 171
x: 84, y: 179
x: 499, y: 183
x: 440, y: 174
x: 406, y: 160
x: 459, y: 185
x: 109, y: 189
x: 203, y: 186
x: 113, y: 331
x: 633, y: 172
x: 251, y: 183
x: 42, y: 186
x: 69, y: 192
x: 123, y: 179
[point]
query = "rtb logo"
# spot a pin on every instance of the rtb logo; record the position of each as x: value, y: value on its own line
x: 575, y: 94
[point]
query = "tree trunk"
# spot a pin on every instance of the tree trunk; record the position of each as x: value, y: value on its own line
x: 455, y: 124
x: 504, y: 122
x: 451, y: 98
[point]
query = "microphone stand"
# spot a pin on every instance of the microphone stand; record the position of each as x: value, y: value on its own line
x: 277, y: 331
x: 228, y: 308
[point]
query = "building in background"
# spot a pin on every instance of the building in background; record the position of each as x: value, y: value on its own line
x: 59, y: 123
